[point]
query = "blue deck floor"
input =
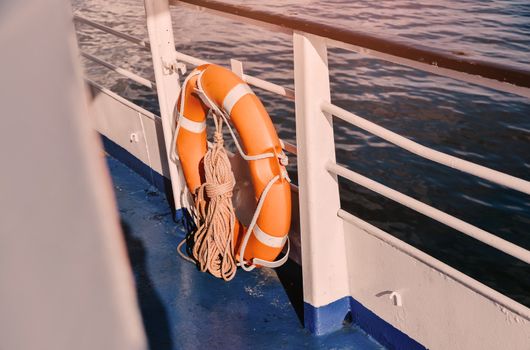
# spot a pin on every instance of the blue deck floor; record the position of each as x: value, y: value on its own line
x: 183, y: 308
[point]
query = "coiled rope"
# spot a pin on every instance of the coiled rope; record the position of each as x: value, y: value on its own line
x: 213, y: 246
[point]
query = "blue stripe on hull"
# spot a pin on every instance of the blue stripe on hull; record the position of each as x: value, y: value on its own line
x: 329, y: 318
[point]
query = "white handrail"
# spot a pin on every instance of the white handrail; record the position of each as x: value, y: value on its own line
x: 142, y: 43
x: 431, y: 66
x: 190, y: 59
x: 438, y: 215
x: 268, y: 86
x: 289, y: 147
x: 428, y: 153
x: 142, y: 81
x: 433, y: 69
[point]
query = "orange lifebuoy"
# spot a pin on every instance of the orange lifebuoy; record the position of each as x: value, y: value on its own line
x: 211, y: 86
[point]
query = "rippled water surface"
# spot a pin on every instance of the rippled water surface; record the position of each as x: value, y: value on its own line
x: 477, y: 124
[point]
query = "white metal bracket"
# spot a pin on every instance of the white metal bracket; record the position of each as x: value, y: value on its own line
x: 133, y: 137
x: 173, y: 67
x: 394, y: 296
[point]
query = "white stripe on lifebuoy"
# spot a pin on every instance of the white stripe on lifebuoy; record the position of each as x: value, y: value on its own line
x: 269, y: 240
x: 190, y: 125
x: 235, y: 95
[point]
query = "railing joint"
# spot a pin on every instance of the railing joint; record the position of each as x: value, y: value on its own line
x: 173, y: 67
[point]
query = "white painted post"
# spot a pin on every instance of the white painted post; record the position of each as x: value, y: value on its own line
x: 324, y: 265
x: 165, y: 66
x: 237, y: 67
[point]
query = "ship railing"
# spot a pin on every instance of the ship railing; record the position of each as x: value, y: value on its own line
x: 319, y: 195
x: 236, y: 66
x: 316, y: 37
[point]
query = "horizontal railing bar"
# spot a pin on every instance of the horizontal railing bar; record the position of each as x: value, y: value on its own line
x: 396, y: 47
x: 143, y: 43
x: 433, y: 213
x: 235, y: 17
x: 289, y: 147
x: 428, y: 153
x: 121, y: 99
x: 124, y: 72
x: 190, y: 59
x: 436, y: 264
x: 260, y: 83
x: 268, y: 86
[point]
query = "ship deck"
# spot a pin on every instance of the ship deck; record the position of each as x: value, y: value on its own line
x: 183, y: 308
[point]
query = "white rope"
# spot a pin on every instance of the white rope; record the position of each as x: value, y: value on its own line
x: 277, y: 263
x: 253, y: 223
x: 250, y: 229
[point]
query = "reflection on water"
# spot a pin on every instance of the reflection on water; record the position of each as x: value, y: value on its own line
x: 480, y: 125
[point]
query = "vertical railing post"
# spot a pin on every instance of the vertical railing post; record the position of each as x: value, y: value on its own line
x: 165, y: 66
x: 324, y: 265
